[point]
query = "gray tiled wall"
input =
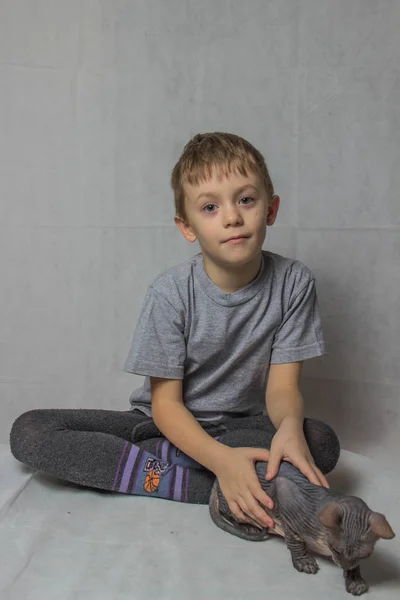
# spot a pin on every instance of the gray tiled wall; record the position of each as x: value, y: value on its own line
x: 97, y: 99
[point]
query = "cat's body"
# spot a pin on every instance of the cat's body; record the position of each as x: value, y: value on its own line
x: 314, y: 518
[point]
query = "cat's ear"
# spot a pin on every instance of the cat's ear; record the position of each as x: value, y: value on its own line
x: 380, y: 526
x: 331, y: 515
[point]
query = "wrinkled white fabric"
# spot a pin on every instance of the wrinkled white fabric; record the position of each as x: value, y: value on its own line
x: 62, y: 542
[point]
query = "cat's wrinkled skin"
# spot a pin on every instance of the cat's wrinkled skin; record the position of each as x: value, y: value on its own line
x: 314, y: 518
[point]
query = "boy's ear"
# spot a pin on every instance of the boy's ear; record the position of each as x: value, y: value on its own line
x: 273, y: 209
x: 185, y: 229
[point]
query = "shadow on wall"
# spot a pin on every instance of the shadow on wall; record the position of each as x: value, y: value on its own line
x: 359, y: 422
x: 347, y: 387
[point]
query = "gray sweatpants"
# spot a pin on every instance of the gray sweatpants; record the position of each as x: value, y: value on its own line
x: 123, y: 451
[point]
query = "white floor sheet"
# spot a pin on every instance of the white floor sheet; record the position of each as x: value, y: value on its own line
x: 62, y: 542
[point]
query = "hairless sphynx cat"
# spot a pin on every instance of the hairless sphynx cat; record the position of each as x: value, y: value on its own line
x: 311, y: 517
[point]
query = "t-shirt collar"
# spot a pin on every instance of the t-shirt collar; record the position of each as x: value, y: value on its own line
x: 229, y: 299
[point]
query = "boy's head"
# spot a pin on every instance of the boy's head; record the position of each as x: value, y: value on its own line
x: 222, y: 189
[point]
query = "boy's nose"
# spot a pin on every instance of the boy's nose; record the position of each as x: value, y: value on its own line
x: 232, y: 217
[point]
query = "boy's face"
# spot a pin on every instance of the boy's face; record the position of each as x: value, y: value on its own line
x: 219, y: 209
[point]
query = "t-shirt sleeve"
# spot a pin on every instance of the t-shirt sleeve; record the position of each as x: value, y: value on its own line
x: 300, y: 335
x: 158, y: 347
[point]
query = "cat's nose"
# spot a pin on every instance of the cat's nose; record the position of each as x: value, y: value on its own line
x: 348, y: 565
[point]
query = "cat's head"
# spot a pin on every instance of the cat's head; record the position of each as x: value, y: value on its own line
x: 352, y: 530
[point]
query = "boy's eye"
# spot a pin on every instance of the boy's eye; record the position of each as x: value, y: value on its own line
x: 212, y: 205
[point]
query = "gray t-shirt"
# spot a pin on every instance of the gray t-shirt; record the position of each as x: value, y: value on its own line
x: 221, y: 344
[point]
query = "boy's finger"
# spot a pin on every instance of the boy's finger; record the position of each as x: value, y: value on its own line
x: 255, y: 511
x: 248, y: 516
x: 309, y: 472
x: 322, y: 477
x: 237, y: 512
x: 262, y: 497
x: 273, y: 465
x: 260, y: 454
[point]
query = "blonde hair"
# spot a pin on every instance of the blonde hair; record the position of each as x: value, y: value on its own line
x: 226, y: 151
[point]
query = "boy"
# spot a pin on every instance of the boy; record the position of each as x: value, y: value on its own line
x: 213, y: 330
x: 220, y: 338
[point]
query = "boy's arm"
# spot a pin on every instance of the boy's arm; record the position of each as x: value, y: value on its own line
x: 180, y: 427
x: 234, y: 467
x: 285, y: 408
x: 283, y: 398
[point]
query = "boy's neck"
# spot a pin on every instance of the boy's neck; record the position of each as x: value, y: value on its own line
x: 232, y: 280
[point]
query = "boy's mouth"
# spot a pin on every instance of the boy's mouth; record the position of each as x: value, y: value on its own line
x: 236, y: 239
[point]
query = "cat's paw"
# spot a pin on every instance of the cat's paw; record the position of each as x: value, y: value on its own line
x: 355, y: 584
x: 307, y: 564
x: 356, y: 587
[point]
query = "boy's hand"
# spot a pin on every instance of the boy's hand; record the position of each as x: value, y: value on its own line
x: 240, y: 486
x: 290, y: 444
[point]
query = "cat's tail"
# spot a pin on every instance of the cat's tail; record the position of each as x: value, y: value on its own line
x: 225, y: 520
